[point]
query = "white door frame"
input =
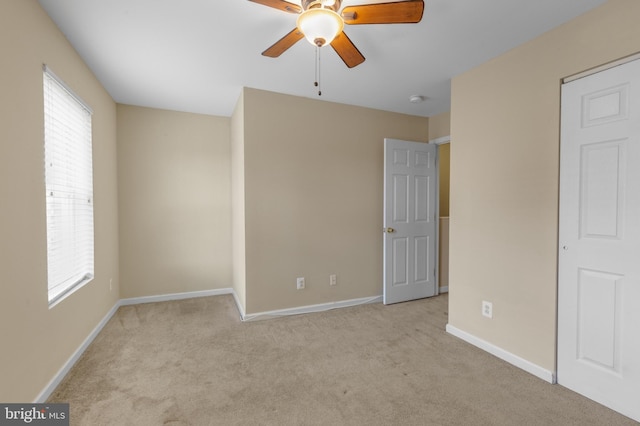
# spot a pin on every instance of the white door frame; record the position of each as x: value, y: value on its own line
x: 600, y: 68
x: 441, y: 141
x: 444, y: 140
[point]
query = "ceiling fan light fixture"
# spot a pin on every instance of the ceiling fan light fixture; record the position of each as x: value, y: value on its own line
x: 320, y: 26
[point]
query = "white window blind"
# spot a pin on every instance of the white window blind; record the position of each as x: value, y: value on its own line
x: 69, y: 188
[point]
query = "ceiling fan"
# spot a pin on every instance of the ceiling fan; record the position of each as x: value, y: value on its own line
x: 321, y: 24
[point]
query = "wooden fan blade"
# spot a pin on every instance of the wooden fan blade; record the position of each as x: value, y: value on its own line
x: 283, y: 44
x: 347, y: 50
x: 280, y: 5
x: 403, y: 12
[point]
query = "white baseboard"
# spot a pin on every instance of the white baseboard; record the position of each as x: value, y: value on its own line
x: 529, y: 367
x: 238, y: 304
x: 444, y: 289
x: 53, y: 384
x: 174, y: 296
x: 311, y: 308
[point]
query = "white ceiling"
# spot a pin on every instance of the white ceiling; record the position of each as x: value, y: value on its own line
x: 196, y: 55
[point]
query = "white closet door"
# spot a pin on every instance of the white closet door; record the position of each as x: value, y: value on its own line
x: 599, y: 240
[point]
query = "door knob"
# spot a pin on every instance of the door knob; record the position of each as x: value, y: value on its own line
x: 389, y: 230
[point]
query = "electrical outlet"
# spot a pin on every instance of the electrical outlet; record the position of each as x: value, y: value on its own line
x: 487, y: 309
x: 333, y: 279
x: 300, y: 283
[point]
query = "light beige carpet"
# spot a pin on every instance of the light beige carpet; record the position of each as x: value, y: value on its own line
x: 193, y: 362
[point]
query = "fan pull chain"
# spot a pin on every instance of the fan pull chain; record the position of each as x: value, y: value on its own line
x: 317, y: 82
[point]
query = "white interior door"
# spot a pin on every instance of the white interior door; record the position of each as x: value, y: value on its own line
x: 599, y: 239
x: 410, y: 231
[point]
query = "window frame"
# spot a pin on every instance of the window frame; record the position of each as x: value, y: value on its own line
x: 68, y: 176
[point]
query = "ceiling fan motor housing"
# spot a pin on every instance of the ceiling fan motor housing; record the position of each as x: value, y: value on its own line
x: 326, y: 4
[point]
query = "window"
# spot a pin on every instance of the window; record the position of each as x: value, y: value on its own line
x: 69, y: 188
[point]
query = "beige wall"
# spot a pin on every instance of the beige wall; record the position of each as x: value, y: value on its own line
x: 444, y: 173
x: 313, y: 175
x: 504, y: 179
x: 440, y: 125
x: 238, y: 247
x: 443, y: 254
x: 36, y: 340
x: 174, y: 187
